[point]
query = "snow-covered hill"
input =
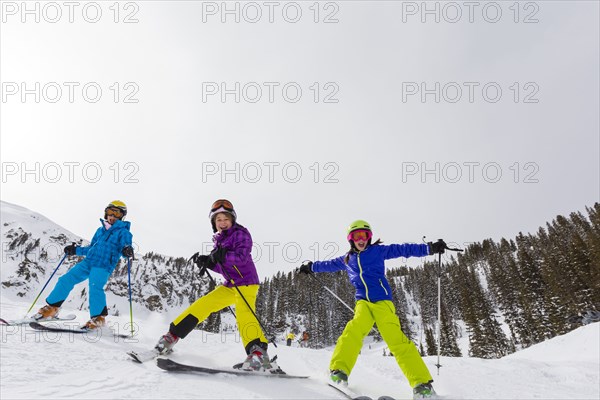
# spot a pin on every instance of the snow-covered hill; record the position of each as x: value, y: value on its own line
x: 32, y: 247
x: 34, y: 365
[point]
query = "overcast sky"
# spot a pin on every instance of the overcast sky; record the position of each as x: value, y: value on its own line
x: 450, y: 120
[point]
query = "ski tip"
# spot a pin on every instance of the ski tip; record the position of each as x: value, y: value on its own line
x: 133, y: 356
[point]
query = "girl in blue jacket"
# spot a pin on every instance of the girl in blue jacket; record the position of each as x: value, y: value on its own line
x: 364, y: 264
x: 111, y: 240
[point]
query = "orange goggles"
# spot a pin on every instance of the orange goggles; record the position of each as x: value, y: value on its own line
x: 360, y: 234
x: 226, y: 204
x: 114, y: 212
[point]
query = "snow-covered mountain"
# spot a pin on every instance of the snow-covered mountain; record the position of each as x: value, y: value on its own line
x: 33, y: 247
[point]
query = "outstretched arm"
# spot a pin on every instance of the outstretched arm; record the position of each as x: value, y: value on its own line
x: 337, y: 264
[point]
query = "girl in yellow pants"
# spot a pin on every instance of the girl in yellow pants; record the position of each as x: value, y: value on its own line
x: 365, y: 266
x: 382, y: 313
x: 231, y: 258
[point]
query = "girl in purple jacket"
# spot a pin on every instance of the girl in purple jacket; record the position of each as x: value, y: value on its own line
x: 231, y: 258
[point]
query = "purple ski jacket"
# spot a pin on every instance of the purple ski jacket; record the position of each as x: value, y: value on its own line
x: 238, y: 264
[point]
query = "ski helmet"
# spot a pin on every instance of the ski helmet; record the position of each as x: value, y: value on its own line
x: 221, y: 206
x: 117, y: 205
x: 359, y: 225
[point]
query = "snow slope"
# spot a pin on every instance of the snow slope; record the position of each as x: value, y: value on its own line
x: 44, y: 365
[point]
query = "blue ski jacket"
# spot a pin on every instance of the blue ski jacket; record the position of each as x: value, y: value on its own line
x: 366, y: 269
x: 107, y: 244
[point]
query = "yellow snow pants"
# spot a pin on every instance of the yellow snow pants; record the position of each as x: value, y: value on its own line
x: 220, y: 298
x: 382, y: 313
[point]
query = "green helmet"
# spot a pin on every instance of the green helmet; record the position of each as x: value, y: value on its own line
x: 358, y: 224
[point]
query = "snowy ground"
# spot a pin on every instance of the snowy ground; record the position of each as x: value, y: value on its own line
x: 43, y: 365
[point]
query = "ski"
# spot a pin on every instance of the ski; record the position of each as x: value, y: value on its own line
x: 349, y: 394
x: 25, y: 321
x: 172, y: 366
x: 143, y: 356
x: 40, y: 327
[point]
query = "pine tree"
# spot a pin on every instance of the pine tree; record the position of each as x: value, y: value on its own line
x: 448, y: 343
x: 399, y: 300
x: 430, y: 342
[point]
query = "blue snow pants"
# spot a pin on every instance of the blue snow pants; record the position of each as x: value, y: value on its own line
x: 98, y: 277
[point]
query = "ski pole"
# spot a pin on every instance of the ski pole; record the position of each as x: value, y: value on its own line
x: 272, y: 339
x: 46, y: 284
x: 332, y: 293
x: 439, y: 309
x: 439, y: 301
x: 202, y: 272
x: 337, y: 297
x: 215, y: 284
x: 130, y: 300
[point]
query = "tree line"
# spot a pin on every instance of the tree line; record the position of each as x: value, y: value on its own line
x: 509, y: 294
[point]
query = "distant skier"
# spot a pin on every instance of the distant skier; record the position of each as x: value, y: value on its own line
x: 111, y: 241
x: 290, y: 338
x: 365, y: 266
x: 230, y: 257
x: 305, y: 337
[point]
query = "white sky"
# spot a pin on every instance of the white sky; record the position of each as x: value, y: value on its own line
x: 371, y: 146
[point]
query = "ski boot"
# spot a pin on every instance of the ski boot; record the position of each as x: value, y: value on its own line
x: 46, y: 312
x: 95, y: 323
x: 258, y: 359
x: 423, y: 391
x: 165, y: 343
x: 338, y: 377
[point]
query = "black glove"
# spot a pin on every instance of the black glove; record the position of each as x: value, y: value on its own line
x: 437, y: 247
x: 306, y: 267
x: 217, y: 256
x: 203, y: 262
x: 128, y: 251
x: 194, y: 258
x: 70, y: 249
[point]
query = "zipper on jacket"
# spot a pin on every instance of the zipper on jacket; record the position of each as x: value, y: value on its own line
x: 361, y: 276
x: 384, y: 289
x: 238, y: 271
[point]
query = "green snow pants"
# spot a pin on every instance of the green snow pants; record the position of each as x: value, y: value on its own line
x: 383, y: 313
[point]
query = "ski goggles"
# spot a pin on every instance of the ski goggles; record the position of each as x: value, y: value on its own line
x: 114, y: 212
x: 360, y: 234
x: 226, y: 204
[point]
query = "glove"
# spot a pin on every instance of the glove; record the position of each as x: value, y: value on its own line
x: 306, y: 268
x: 128, y: 251
x: 437, y: 247
x: 203, y: 262
x: 70, y: 249
x: 194, y: 258
x: 217, y: 256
